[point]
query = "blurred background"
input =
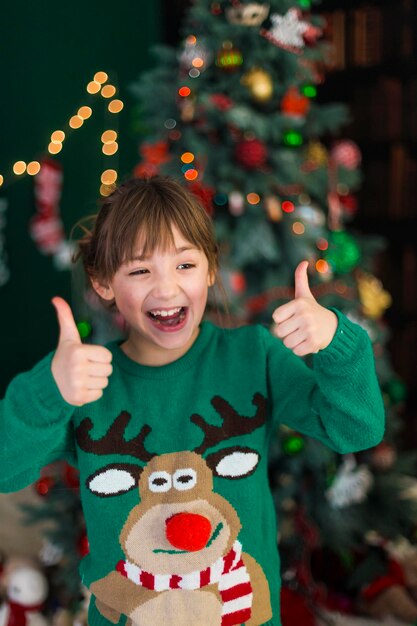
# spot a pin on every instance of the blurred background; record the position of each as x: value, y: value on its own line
x: 295, y: 124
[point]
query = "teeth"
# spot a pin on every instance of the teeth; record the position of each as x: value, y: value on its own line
x: 165, y: 312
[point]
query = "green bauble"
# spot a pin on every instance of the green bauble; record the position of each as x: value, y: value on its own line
x: 343, y: 254
x: 293, y: 444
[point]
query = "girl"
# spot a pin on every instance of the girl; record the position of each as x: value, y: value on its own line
x: 170, y: 429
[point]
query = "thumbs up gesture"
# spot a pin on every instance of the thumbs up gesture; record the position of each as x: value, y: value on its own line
x: 80, y: 371
x: 303, y: 324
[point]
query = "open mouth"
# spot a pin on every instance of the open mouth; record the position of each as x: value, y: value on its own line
x: 168, y: 318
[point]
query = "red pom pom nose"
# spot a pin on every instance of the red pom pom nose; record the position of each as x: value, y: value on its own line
x: 188, y: 531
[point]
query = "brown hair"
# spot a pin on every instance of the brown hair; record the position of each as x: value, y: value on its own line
x: 151, y: 206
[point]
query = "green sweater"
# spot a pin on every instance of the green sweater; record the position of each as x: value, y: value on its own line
x: 173, y: 466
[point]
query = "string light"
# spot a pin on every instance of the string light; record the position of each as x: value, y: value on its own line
x: 287, y: 206
x: 322, y: 244
x: 1, y: 180
x: 184, y: 91
x: 93, y: 87
x: 109, y: 136
x: 187, y: 157
x: 298, y: 228
x: 54, y: 147
x: 57, y: 136
x: 108, y: 91
x: 106, y: 190
x: 115, y: 106
x: 253, y: 198
x: 322, y: 266
x: 19, y: 168
x: 191, y: 174
x: 109, y: 177
x: 191, y: 40
x: 33, y: 168
x: 100, y: 77
x: 110, y: 148
x: 85, y: 112
x: 76, y: 122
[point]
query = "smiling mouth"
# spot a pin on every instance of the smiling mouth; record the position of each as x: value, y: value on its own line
x: 168, y: 318
x: 214, y: 536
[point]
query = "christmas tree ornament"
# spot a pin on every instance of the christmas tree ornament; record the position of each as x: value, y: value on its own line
x: 43, y: 485
x: 237, y: 282
x: 260, y: 84
x: 294, y: 104
x: 310, y: 214
x: 216, y: 8
x: 293, y: 444
x: 46, y: 226
x: 287, y: 31
x: 4, y: 268
x: 346, y: 154
x: 273, y: 208
x: 71, y: 476
x: 383, y: 456
x: 351, y: 484
x: 229, y: 58
x: 292, y: 138
x: 50, y: 554
x: 251, y: 14
x: 316, y: 156
x: 251, y: 153
x: 236, y: 203
x: 26, y: 593
x: 349, y: 204
x: 204, y: 193
x: 374, y: 299
x: 153, y: 156
x: 343, y: 253
x: 221, y: 101
x: 83, y: 545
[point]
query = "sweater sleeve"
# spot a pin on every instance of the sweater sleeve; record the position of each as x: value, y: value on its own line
x: 35, y: 427
x: 338, y: 401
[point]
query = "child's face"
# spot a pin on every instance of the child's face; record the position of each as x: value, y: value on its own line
x: 162, y: 298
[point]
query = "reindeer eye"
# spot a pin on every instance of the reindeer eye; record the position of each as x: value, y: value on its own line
x: 160, y: 481
x: 185, y: 479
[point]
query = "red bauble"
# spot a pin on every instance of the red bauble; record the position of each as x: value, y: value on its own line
x: 204, y: 193
x: 294, y: 609
x: 83, y: 546
x: 43, y: 485
x: 71, y: 476
x: 294, y: 104
x: 251, y: 153
x: 347, y: 154
x: 222, y: 102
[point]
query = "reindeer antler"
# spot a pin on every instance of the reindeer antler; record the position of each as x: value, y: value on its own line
x: 113, y: 441
x: 233, y: 425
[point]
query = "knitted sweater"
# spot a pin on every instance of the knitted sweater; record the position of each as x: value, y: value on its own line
x: 173, y: 466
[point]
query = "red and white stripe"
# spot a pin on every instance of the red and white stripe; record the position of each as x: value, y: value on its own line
x: 229, y: 572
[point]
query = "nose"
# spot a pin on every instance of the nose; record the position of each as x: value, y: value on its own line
x: 165, y: 286
x: 188, y: 531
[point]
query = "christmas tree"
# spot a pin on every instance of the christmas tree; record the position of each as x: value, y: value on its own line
x: 234, y: 113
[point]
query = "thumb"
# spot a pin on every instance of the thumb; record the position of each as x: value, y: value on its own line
x: 68, y: 330
x: 302, y: 288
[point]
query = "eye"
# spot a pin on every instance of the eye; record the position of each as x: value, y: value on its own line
x: 186, y: 266
x: 159, y: 481
x: 139, y: 272
x: 184, y: 479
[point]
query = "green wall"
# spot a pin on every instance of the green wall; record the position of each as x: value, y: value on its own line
x: 49, y: 51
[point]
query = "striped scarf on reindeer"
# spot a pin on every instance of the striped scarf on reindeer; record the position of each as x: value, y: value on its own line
x: 228, y: 572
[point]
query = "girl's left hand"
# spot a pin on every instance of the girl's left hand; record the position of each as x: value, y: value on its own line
x: 303, y: 324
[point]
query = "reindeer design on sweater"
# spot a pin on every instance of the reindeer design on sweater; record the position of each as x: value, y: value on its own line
x: 184, y: 563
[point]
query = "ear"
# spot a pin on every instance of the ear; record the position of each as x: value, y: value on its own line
x: 104, y: 291
x: 211, y: 279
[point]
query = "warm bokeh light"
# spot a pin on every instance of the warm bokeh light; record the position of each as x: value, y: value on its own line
x: 76, y: 121
x: 110, y: 148
x: 322, y: 266
x: 106, y: 190
x: 298, y: 228
x: 100, y: 77
x: 19, y: 168
x: 322, y: 244
x: 1, y: 180
x: 191, y: 174
x: 58, y: 136
x: 85, y: 112
x: 109, y: 177
x: 93, y: 87
x: 253, y: 198
x: 187, y: 157
x: 287, y: 206
x: 54, y: 147
x: 198, y: 62
x: 109, y: 136
x: 184, y: 91
x: 33, y: 168
x: 108, y: 91
x: 115, y: 106
x: 191, y: 40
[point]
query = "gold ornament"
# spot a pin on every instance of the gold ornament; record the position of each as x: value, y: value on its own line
x: 316, y: 154
x: 252, y: 14
x: 259, y: 83
x: 375, y: 300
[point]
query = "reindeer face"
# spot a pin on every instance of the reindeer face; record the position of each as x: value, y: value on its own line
x: 179, y: 516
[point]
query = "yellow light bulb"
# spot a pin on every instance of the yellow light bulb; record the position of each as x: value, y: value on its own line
x: 76, y: 121
x: 19, y: 168
x: 100, y: 77
x: 1, y: 180
x: 115, y: 106
x: 106, y: 190
x: 33, y: 168
x: 109, y: 136
x: 54, y: 147
x: 108, y: 91
x: 187, y: 157
x: 93, y: 86
x: 110, y: 148
x: 109, y: 177
x: 58, y: 136
x: 85, y: 112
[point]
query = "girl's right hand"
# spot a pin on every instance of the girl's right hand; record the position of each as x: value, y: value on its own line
x: 81, y: 371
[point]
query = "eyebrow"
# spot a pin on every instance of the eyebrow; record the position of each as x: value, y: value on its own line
x: 139, y: 257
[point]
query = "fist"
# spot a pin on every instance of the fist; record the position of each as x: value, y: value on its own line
x: 81, y: 371
x: 303, y: 324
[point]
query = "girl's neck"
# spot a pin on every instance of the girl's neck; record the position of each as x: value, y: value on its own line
x: 153, y: 356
